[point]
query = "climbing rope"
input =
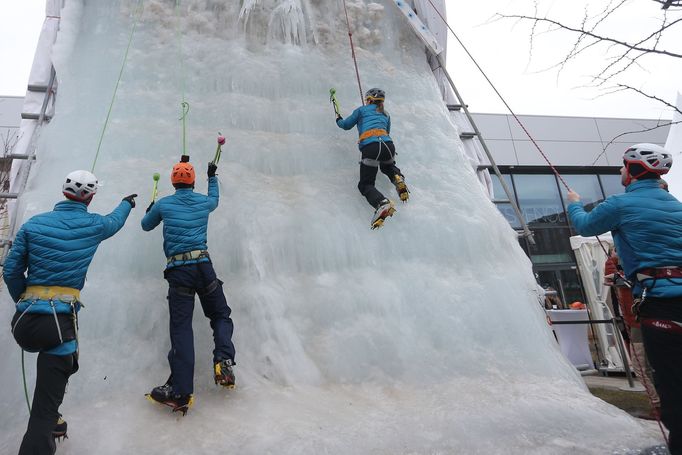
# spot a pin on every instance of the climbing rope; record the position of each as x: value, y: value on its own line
x: 554, y: 170
x: 352, y: 49
x: 511, y: 111
x: 184, y: 105
x: 118, y: 81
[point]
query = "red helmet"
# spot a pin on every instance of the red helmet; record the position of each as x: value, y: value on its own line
x: 182, y: 173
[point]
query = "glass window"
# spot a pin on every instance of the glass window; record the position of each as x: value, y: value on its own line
x: 611, y: 184
x: 508, y: 212
x: 539, y: 199
x: 572, y: 288
x: 498, y: 191
x: 552, y: 246
x: 587, y: 186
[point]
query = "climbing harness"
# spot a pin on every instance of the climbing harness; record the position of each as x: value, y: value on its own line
x: 352, y: 48
x: 32, y: 295
x: 188, y: 256
x: 375, y: 132
x: 118, y: 81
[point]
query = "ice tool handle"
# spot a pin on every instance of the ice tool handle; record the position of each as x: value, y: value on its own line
x: 219, y: 148
x: 334, y: 101
x: 155, y: 191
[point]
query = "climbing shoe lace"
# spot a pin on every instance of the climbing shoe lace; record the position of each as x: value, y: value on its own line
x: 223, y: 374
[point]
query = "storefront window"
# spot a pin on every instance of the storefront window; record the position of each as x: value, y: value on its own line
x: 509, y: 214
x: 539, y: 199
x: 498, y: 191
x: 611, y: 184
x: 587, y: 186
x: 552, y: 246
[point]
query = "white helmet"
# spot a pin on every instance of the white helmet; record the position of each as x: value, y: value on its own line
x: 651, y: 157
x: 80, y: 186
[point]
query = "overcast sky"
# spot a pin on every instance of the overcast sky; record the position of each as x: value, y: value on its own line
x: 501, y: 48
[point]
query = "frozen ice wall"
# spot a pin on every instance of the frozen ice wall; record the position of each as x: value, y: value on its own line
x: 422, y: 337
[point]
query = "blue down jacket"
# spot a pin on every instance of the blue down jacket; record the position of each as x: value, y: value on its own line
x: 57, y: 248
x: 646, y: 223
x: 367, y: 118
x: 185, y: 219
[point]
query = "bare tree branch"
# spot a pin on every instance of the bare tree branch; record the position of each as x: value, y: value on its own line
x: 661, y: 125
x: 594, y: 35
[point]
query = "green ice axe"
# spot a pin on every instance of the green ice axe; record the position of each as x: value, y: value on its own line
x: 219, y: 149
x: 334, y: 101
x: 155, y: 191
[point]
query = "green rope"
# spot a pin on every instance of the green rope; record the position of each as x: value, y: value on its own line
x: 120, y: 75
x: 23, y: 372
x: 184, y: 105
x: 185, y: 111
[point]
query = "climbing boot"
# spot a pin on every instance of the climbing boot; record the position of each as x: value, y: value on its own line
x: 401, y: 187
x: 223, y: 374
x: 385, y: 209
x: 164, y: 395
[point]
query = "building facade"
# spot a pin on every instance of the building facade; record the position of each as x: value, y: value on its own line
x: 587, y: 153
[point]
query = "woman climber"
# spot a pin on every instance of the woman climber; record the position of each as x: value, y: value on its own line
x: 378, y: 151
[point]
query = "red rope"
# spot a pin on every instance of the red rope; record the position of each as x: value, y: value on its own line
x: 501, y: 98
x: 352, y: 49
x: 643, y: 379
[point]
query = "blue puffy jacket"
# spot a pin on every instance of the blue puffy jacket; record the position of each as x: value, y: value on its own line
x: 57, y: 248
x: 185, y: 219
x: 369, y: 122
x: 646, y: 223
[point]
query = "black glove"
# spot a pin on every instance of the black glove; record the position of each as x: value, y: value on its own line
x: 130, y: 199
x: 211, y: 169
x: 149, y: 208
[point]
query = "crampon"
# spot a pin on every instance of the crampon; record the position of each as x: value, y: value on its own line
x: 401, y: 188
x: 385, y: 210
x: 59, y: 432
x: 178, y: 403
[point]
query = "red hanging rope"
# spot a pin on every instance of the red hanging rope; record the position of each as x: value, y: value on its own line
x: 549, y: 163
x: 561, y: 179
x: 352, y: 49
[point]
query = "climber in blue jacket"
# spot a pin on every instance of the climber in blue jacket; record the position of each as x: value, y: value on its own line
x: 377, y: 152
x: 646, y: 223
x: 56, y: 248
x: 189, y: 271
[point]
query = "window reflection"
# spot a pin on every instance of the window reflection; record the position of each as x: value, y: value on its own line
x: 539, y: 199
x: 611, y: 184
x: 587, y: 186
x: 551, y: 246
x: 509, y: 214
x: 498, y: 191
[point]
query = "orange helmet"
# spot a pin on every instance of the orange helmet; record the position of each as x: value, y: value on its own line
x: 182, y: 173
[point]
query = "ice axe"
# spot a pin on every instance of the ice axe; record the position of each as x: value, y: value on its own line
x: 219, y: 149
x: 155, y: 191
x: 334, y: 101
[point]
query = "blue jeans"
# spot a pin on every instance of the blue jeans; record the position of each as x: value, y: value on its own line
x: 184, y: 281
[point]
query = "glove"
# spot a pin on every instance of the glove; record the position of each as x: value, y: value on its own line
x: 211, y: 169
x: 130, y: 199
x: 149, y: 208
x: 338, y: 117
